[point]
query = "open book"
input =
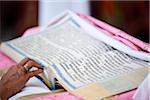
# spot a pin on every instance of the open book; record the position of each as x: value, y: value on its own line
x: 82, y: 64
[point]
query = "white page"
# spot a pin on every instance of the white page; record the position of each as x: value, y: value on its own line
x: 62, y: 43
x: 91, y: 30
x: 59, y: 44
x: 97, y: 34
x: 33, y: 86
x: 65, y: 42
x: 96, y: 68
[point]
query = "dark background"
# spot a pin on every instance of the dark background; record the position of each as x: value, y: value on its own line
x: 130, y: 16
x: 16, y: 17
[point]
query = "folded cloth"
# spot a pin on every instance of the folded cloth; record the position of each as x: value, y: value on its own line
x: 120, y: 35
x: 31, y: 31
x: 143, y: 91
x: 5, y: 61
x: 59, y: 96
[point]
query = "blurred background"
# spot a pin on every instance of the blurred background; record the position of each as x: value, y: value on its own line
x: 129, y: 16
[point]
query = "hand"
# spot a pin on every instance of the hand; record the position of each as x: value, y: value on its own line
x: 16, y: 77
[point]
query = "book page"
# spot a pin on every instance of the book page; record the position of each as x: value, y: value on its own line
x: 59, y: 44
x: 97, y: 68
x: 76, y: 58
x: 97, y: 33
x: 33, y: 86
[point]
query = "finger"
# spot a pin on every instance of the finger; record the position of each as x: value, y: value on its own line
x: 34, y: 73
x: 35, y: 64
x: 32, y: 63
x: 24, y: 61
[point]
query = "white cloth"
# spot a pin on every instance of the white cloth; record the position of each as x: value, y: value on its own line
x: 143, y: 91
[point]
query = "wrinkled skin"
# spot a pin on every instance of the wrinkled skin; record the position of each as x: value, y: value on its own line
x: 16, y: 77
